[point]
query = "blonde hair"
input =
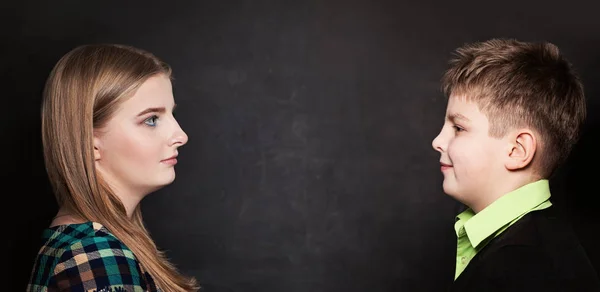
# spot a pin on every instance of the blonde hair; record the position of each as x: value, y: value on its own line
x: 83, y: 91
x: 522, y: 84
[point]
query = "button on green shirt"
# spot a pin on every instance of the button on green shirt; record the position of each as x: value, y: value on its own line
x: 473, y: 231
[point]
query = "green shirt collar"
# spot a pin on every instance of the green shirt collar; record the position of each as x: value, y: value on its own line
x: 501, y: 212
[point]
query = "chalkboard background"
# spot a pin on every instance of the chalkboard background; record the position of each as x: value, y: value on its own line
x: 309, y: 165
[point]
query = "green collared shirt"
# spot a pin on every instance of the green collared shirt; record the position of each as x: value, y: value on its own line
x: 473, y: 231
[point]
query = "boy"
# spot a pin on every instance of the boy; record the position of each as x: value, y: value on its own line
x: 514, y: 112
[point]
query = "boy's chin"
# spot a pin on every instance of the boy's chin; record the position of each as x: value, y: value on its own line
x: 449, y: 189
x: 452, y: 192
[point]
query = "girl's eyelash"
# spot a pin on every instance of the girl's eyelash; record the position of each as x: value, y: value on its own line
x: 151, y: 121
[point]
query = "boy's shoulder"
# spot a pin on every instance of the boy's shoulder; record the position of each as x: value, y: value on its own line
x: 539, y: 251
x: 545, y: 228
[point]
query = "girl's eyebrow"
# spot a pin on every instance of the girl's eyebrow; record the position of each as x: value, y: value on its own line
x: 152, y: 110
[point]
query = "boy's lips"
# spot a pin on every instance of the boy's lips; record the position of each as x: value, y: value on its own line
x: 445, y: 166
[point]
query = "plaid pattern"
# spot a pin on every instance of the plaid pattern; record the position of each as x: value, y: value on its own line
x: 86, y: 257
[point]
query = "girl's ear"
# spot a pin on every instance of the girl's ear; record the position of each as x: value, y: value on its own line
x: 97, y: 144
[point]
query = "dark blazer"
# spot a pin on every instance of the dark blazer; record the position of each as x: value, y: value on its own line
x: 537, y: 253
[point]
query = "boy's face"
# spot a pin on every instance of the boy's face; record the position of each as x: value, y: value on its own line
x: 471, y: 160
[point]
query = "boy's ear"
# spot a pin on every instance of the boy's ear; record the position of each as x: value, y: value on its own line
x: 522, y: 147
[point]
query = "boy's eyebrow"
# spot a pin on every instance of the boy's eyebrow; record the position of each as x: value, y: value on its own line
x: 457, y: 117
x: 152, y: 110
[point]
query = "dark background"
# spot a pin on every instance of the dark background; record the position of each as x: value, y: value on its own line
x: 309, y: 165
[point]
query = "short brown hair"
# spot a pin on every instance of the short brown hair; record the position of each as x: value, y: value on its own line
x: 522, y: 84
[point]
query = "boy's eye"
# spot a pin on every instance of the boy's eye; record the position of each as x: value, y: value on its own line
x: 151, y: 121
x: 458, y: 128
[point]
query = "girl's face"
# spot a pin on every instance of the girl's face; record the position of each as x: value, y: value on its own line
x: 135, y: 152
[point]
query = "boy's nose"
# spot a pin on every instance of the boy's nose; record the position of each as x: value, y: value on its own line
x: 437, y: 143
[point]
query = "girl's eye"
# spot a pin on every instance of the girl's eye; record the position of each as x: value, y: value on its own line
x: 151, y: 121
x: 458, y: 128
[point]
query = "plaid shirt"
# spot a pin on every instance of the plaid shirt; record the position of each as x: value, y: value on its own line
x: 86, y: 257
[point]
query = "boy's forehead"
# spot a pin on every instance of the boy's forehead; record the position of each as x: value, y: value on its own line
x: 461, y: 100
x: 461, y: 108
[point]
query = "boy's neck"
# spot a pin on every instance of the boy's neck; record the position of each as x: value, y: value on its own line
x: 502, y: 187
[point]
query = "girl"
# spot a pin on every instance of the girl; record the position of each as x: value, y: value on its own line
x: 109, y: 140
